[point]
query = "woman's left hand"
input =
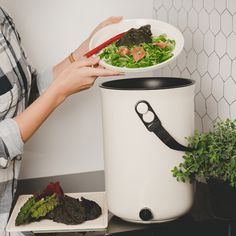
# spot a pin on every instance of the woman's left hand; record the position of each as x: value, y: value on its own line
x: 78, y: 54
x: 84, y: 47
x: 108, y: 21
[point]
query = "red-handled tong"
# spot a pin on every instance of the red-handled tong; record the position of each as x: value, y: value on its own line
x: 103, y: 45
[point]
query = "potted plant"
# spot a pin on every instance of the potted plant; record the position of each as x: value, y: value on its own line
x: 214, y: 159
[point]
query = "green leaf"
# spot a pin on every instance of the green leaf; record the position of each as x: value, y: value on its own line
x: 154, y: 54
x: 34, y: 209
x: 214, y: 155
x: 44, y: 206
x: 23, y: 215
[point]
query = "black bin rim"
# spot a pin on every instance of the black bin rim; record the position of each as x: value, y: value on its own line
x: 147, y: 83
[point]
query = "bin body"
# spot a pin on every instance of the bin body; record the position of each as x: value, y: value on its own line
x: 138, y: 177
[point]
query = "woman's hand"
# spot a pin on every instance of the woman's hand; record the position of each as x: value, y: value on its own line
x: 78, y: 76
x: 84, y: 47
x: 69, y: 78
x: 108, y: 21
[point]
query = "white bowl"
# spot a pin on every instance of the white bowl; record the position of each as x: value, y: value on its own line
x: 157, y: 28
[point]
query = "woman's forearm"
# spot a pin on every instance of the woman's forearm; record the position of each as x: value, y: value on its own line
x: 76, y: 77
x: 32, y: 118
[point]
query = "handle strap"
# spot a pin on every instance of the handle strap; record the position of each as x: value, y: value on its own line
x: 156, y: 127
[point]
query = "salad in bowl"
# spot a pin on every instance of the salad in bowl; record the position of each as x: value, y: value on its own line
x: 143, y: 45
x: 138, y: 48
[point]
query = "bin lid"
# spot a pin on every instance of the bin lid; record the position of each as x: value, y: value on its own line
x: 147, y: 83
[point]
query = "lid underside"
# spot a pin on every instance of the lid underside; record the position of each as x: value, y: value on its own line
x: 147, y: 83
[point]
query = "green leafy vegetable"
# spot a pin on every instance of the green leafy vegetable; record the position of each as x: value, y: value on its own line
x: 53, y: 204
x: 24, y: 214
x: 33, y: 210
x: 44, y: 206
x: 154, y: 54
x: 136, y: 36
x: 214, y: 155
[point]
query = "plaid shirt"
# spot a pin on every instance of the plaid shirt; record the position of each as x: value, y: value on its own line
x: 19, y: 86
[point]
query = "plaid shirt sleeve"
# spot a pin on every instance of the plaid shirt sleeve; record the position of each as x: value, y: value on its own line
x: 27, y: 85
x: 11, y: 144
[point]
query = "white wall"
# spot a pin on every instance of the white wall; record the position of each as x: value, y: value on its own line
x: 70, y: 141
x: 209, y: 55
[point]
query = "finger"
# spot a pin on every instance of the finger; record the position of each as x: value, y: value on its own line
x: 86, y: 86
x: 102, y: 72
x: 112, y: 20
x: 100, y: 67
x: 91, y: 61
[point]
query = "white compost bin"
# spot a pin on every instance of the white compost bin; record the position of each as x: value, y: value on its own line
x: 145, y: 125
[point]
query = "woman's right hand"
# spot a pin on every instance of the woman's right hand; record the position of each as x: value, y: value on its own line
x: 79, y: 75
x: 75, y: 77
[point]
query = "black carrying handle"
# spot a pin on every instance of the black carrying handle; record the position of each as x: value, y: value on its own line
x: 156, y: 126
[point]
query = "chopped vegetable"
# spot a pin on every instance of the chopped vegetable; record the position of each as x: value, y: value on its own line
x: 138, y: 53
x: 53, y: 204
x: 136, y: 36
x: 158, y: 50
x: 74, y: 211
x: 160, y: 44
x: 51, y: 189
x: 44, y: 206
x: 33, y: 210
x: 123, y: 51
x: 24, y: 214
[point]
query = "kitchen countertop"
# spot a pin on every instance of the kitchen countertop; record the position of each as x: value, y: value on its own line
x: 198, y: 221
